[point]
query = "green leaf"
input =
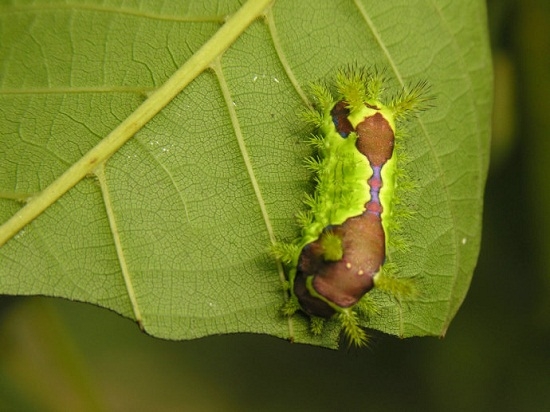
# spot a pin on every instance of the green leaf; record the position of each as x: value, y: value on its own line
x: 134, y: 179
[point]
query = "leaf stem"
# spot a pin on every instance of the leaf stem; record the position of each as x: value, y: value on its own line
x: 213, y: 48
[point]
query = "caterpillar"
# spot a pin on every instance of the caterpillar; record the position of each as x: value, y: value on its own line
x: 343, y: 250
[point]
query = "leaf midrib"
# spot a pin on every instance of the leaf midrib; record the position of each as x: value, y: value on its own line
x: 99, y: 154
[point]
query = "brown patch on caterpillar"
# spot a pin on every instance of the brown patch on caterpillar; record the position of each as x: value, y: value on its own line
x: 309, y: 303
x: 345, y: 281
x: 340, y: 114
x: 375, y: 139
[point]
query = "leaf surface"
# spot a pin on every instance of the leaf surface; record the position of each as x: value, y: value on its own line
x: 173, y: 228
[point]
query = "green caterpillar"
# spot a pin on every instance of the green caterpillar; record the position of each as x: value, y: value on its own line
x: 343, y: 249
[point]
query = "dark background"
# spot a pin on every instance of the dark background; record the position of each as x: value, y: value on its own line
x: 59, y: 355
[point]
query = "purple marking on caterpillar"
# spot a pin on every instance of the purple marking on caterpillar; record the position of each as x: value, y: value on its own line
x: 375, y: 183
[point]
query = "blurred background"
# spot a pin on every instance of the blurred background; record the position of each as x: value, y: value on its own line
x: 58, y: 355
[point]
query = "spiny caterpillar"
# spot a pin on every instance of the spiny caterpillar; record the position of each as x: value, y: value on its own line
x: 343, y: 249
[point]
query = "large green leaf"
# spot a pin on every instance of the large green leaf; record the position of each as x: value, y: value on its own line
x: 173, y: 228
